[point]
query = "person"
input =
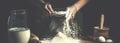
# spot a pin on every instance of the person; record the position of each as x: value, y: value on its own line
x: 48, y: 7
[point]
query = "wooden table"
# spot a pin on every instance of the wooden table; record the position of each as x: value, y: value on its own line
x: 35, y: 39
x: 82, y: 41
x: 87, y: 41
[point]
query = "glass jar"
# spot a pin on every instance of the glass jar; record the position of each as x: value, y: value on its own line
x: 17, y: 18
x: 18, y: 32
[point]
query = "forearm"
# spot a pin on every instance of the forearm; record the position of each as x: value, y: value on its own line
x: 80, y: 4
x: 42, y: 1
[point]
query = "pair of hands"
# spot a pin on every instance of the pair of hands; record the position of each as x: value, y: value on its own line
x: 72, y: 10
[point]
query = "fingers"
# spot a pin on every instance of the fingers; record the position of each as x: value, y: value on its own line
x: 74, y: 11
x: 70, y: 14
x: 46, y: 7
x: 73, y: 15
x: 49, y: 8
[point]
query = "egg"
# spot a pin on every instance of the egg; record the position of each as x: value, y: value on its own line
x: 101, y: 39
x: 109, y: 40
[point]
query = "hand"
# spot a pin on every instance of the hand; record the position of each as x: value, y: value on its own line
x: 72, y: 10
x: 48, y: 8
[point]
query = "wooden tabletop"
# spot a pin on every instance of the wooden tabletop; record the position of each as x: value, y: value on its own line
x: 87, y: 41
x: 35, y: 39
x: 82, y: 41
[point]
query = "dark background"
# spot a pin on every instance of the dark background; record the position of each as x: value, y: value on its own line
x: 91, y: 16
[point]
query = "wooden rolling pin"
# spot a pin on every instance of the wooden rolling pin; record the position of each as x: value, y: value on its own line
x: 102, y: 21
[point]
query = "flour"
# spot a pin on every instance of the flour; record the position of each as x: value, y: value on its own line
x: 69, y: 33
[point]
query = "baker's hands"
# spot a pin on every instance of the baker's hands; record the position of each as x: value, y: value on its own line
x: 48, y: 8
x: 71, y: 12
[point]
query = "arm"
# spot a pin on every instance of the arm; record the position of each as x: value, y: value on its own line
x: 73, y: 9
x: 80, y: 4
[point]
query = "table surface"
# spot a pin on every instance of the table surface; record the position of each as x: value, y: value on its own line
x: 87, y: 41
x: 33, y: 36
x: 83, y: 41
